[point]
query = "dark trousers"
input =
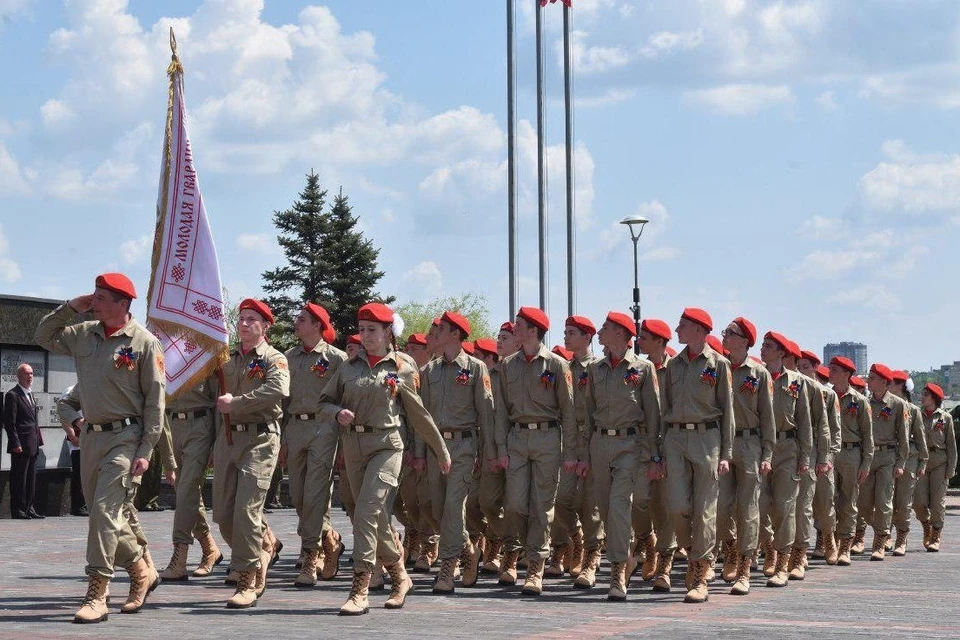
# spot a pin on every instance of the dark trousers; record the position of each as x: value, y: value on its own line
x: 76, y: 488
x: 23, y: 477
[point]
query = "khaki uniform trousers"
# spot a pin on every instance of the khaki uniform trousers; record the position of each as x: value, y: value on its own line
x: 428, y: 526
x: 875, y: 505
x: 449, y: 494
x: 805, y: 494
x: 846, y: 467
x: 692, y: 458
x: 406, y: 506
x: 373, y: 461
x: 346, y: 494
x: 778, y: 497
x: 929, y: 500
x: 109, y: 490
x: 192, y: 444
x: 615, y: 462
x: 241, y: 478
x: 311, y: 452
x: 492, y: 491
x: 475, y: 522
x: 738, y: 508
x: 824, y: 512
x: 531, y: 489
x: 903, y: 492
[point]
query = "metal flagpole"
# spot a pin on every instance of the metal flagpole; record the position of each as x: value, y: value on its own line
x: 568, y: 116
x: 511, y: 161
x: 541, y: 177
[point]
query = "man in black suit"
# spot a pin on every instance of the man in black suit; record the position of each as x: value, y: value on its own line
x: 24, y: 442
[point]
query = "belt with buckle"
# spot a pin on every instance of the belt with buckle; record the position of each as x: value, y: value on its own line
x: 628, y: 431
x: 695, y: 426
x: 749, y: 432
x: 537, y: 426
x: 259, y: 427
x: 362, y: 428
x: 789, y: 434
x: 186, y: 415
x: 459, y: 434
x: 116, y: 425
x: 885, y: 447
x: 304, y: 416
x: 850, y: 445
x: 932, y: 448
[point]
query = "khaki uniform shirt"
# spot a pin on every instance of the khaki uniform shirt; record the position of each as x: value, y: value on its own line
x: 458, y: 394
x: 753, y: 404
x: 259, y: 381
x: 890, y: 419
x: 820, y: 421
x: 856, y: 424
x: 489, y: 437
x: 201, y: 396
x: 918, y: 435
x: 578, y: 371
x: 122, y: 375
x: 791, y: 407
x: 624, y: 396
x: 537, y: 391
x: 941, y: 436
x: 309, y: 373
x: 699, y: 391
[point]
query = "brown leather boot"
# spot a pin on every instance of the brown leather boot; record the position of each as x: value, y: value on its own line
x: 376, y: 578
x: 741, y: 585
x: 246, y: 594
x: 618, y: 582
x: 661, y: 579
x: 533, y: 584
x: 681, y: 553
x: 94, y: 608
x: 492, y: 556
x: 900, y: 547
x: 588, y: 575
x: 934, y: 545
x: 649, y: 567
x: 444, y: 584
x: 843, y: 554
x: 357, y: 602
x: 819, y: 550
x: 926, y: 533
x: 401, y: 584
x: 428, y: 557
x: 470, y: 557
x: 769, y: 559
x: 780, y: 570
x: 308, y: 571
x: 508, y: 570
x: 176, y: 571
x: 143, y: 580
x: 412, y: 545
x: 795, y: 566
x: 698, y: 592
x: 858, y: 542
x: 577, y: 554
x: 556, y: 567
x: 731, y: 558
x: 830, y: 551
x: 879, y: 546
x: 333, y: 548
x: 211, y: 556
x: 260, y: 579
x: 300, y: 559
x: 638, y: 555
x: 232, y: 576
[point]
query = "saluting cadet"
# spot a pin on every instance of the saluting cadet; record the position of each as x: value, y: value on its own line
x: 791, y: 459
x: 536, y: 427
x: 891, y: 450
x: 120, y: 370
x: 915, y: 468
x: 309, y: 444
x: 931, y: 493
x: 457, y: 391
x: 738, y: 510
x: 697, y: 442
x: 365, y: 396
x: 852, y: 463
x: 622, y: 411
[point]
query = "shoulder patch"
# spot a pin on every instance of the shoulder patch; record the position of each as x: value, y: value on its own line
x: 487, y: 385
x: 161, y: 366
x: 282, y: 364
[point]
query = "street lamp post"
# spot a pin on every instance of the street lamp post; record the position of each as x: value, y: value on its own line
x: 636, y: 225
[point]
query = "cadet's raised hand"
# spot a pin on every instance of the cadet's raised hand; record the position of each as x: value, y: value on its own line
x: 82, y: 304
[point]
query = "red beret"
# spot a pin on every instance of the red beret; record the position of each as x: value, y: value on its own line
x: 435, y: 322
x: 116, y: 282
x: 748, y: 328
x: 417, y: 338
x: 318, y: 312
x: 811, y: 356
x: 625, y: 321
x: 487, y: 345
x: 671, y: 351
x: 698, y: 316
x: 934, y: 389
x: 375, y: 312
x: 535, y: 316
x: 858, y: 382
x: 793, y: 349
x: 779, y: 339
x: 900, y: 376
x: 883, y: 371
x: 823, y: 371
x: 259, y: 307
x: 656, y: 327
x: 844, y: 363
x: 354, y: 339
x: 508, y: 327
x: 581, y: 323
x: 468, y: 347
x: 716, y: 345
x: 566, y: 354
x: 457, y: 321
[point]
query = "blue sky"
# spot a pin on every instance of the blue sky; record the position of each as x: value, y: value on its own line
x: 798, y: 159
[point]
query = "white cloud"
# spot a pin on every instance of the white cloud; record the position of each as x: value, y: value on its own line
x: 740, y: 99
x: 822, y: 227
x: 591, y: 60
x: 55, y: 113
x: 666, y: 42
x: 867, y: 296
x: 265, y: 243
x: 134, y: 251
x: 12, y: 179
x: 911, y: 183
x: 608, y: 97
x: 426, y: 277
x: 660, y: 254
x: 9, y: 269
x: 827, y: 101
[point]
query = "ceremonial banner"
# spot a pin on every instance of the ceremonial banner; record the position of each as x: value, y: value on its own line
x: 185, y: 301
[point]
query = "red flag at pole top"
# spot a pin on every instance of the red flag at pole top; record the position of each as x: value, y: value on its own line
x: 569, y: 3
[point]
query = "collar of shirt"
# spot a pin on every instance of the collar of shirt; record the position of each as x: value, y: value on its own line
x: 26, y: 391
x: 630, y: 358
x: 260, y: 349
x: 708, y: 354
x: 542, y: 352
x: 585, y: 360
x: 462, y: 360
x: 317, y: 348
x: 126, y: 329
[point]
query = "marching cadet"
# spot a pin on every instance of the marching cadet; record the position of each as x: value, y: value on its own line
x: 859, y: 384
x: 416, y: 489
x: 622, y: 403
x: 697, y: 442
x: 407, y: 503
x: 353, y: 346
x: 890, y: 452
x: 931, y: 493
x: 257, y: 379
x: 536, y: 428
x: 365, y: 396
x: 853, y: 462
x: 905, y: 485
x: 121, y: 374
x: 791, y: 458
x: 309, y: 445
x: 191, y: 420
x: 738, y: 511
x: 352, y: 349
x: 457, y: 391
x: 477, y: 526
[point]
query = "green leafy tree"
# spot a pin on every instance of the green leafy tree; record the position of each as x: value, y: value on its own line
x: 419, y: 315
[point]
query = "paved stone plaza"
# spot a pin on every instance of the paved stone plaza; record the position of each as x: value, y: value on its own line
x: 41, y: 586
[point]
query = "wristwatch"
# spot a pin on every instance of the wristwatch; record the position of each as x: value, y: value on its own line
x: 656, y: 459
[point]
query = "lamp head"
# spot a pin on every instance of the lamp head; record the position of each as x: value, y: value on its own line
x: 636, y: 224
